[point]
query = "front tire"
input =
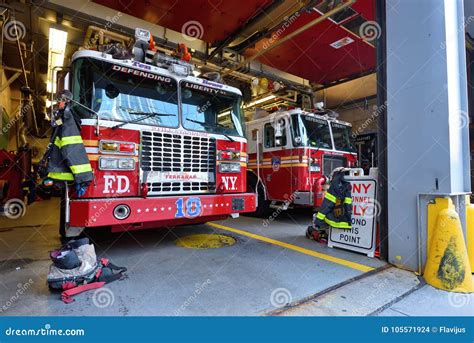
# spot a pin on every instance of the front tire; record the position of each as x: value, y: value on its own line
x: 263, y: 205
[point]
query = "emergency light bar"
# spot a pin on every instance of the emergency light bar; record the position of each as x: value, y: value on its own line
x: 174, y: 65
x: 228, y: 155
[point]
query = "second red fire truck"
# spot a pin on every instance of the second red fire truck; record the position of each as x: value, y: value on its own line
x: 291, y: 154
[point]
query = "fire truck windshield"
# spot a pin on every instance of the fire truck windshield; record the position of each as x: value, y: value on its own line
x: 342, y: 137
x: 211, y: 110
x: 125, y: 94
x: 311, y: 131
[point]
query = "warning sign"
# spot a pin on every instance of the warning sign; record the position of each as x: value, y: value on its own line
x: 365, y: 209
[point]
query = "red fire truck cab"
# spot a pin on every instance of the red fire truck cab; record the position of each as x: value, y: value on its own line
x: 166, y: 148
x: 291, y: 153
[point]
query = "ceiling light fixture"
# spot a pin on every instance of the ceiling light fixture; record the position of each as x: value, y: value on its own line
x: 56, y: 52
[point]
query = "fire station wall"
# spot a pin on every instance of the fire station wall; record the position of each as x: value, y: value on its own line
x: 427, y: 150
x: 362, y: 116
x: 355, y: 101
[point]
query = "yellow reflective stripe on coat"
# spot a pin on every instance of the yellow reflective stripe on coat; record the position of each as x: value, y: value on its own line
x: 338, y: 225
x: 61, y: 176
x: 81, y: 168
x: 60, y: 142
x: 330, y: 197
x: 320, y: 216
x: 347, y: 200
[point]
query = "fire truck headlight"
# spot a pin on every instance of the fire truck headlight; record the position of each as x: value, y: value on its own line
x: 126, y: 163
x: 112, y: 163
x: 229, y: 167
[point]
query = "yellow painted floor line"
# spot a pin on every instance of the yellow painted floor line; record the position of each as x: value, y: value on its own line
x: 309, y: 252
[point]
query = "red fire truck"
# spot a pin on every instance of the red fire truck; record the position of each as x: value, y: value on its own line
x: 166, y: 148
x: 293, y: 152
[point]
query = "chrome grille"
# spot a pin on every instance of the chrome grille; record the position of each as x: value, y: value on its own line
x: 178, y: 155
x: 332, y: 162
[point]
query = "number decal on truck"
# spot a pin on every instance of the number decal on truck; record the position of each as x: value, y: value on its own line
x: 190, y: 209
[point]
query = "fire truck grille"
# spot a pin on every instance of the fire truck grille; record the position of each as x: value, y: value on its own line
x: 332, y: 162
x: 178, y: 163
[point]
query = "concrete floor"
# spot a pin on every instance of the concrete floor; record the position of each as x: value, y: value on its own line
x: 251, y: 277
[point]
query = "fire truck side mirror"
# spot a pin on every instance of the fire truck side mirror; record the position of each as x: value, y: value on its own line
x: 279, y: 127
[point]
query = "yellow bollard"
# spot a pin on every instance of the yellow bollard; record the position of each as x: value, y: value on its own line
x: 447, y: 266
x: 470, y: 231
x: 434, y: 209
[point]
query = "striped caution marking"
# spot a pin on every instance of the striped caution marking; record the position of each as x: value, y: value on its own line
x: 337, y: 260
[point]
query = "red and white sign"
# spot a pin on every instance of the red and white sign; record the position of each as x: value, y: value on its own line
x: 365, y: 209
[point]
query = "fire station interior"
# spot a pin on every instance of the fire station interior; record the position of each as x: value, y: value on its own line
x: 321, y: 57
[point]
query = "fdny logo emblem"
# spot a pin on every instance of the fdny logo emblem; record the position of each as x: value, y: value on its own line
x: 229, y: 183
x: 276, y: 163
x: 118, y: 184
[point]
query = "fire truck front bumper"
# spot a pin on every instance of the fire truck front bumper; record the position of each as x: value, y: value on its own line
x: 120, y: 211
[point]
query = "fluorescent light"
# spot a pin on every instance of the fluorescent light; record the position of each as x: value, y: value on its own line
x: 262, y: 100
x: 50, y: 103
x: 223, y: 114
x: 56, y: 52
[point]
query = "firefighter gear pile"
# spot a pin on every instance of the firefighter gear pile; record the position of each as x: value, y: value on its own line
x: 66, y: 158
x: 336, y: 209
x: 75, y: 268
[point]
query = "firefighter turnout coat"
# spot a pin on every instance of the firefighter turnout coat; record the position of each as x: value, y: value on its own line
x: 68, y: 160
x: 336, y: 209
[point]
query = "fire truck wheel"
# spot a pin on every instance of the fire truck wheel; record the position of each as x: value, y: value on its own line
x: 263, y: 206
